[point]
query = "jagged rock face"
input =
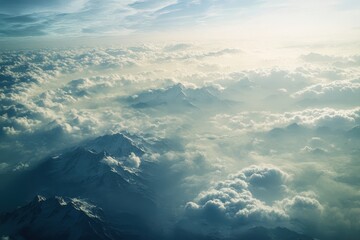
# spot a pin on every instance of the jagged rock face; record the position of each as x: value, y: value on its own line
x: 104, y: 174
x: 56, y: 218
x: 117, y: 145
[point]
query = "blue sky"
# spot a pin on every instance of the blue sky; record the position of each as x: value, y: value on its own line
x: 229, y: 18
x: 81, y: 17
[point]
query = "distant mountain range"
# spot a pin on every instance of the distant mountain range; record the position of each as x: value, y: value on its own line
x: 178, y: 98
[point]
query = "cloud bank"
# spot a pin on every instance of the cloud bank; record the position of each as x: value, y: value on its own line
x: 226, y: 147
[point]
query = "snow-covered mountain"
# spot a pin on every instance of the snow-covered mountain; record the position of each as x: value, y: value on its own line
x: 107, y: 170
x: 176, y: 95
x: 56, y: 218
x: 354, y: 133
x: 117, y: 145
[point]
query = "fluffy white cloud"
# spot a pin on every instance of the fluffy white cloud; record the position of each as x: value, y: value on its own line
x: 303, y: 208
x: 338, y: 92
x: 339, y: 61
x: 236, y: 200
x: 264, y: 121
x: 134, y: 160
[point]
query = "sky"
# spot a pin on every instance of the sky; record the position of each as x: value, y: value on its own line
x: 214, y: 116
x: 28, y: 21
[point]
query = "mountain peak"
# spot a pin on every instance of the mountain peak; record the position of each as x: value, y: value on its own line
x: 177, y: 87
x: 39, y: 198
x: 55, y: 218
x: 294, y: 126
x: 174, y: 97
x: 354, y: 132
x: 117, y: 145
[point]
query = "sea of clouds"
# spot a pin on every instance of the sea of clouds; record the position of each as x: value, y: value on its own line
x: 272, y: 145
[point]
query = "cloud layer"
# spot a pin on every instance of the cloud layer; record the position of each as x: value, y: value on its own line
x: 242, y: 200
x: 234, y: 146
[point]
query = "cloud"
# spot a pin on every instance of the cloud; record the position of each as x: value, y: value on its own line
x: 336, y: 92
x: 21, y: 166
x: 17, y: 26
x: 151, y: 5
x: 177, y: 47
x: 311, y: 117
x: 41, y: 97
x: 134, y: 160
x: 338, y: 61
x: 302, y: 206
x: 57, y: 98
x: 317, y: 57
x: 185, y: 55
x: 234, y: 201
x: 131, y: 161
x: 266, y: 183
x: 93, y: 17
x: 308, y: 149
x: 23, y: 6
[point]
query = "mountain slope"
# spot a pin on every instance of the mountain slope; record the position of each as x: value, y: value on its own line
x: 176, y: 97
x: 113, y: 182
x: 56, y: 218
x: 118, y: 145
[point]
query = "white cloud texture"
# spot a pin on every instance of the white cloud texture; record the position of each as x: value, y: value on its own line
x: 202, y: 117
x: 134, y: 160
x: 312, y: 117
x: 234, y: 201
